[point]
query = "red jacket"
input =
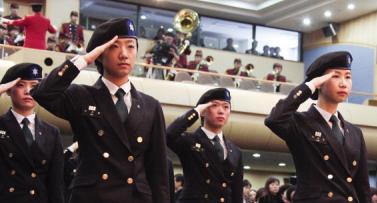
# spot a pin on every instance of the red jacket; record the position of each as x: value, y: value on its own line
x: 74, y: 32
x: 35, y: 27
x: 280, y: 78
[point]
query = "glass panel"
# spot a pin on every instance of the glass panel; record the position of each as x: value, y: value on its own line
x: 215, y: 32
x: 152, y: 19
x: 287, y: 41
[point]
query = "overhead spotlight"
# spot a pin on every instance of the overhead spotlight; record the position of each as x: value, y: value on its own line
x: 247, y: 167
x: 256, y: 155
x: 306, y: 21
x: 351, y: 6
x: 282, y: 164
x: 327, y: 14
x: 143, y: 17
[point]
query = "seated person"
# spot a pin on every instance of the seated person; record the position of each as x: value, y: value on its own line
x: 253, y: 49
x: 236, y: 69
x: 266, y: 50
x: 276, y: 75
x: 198, y: 63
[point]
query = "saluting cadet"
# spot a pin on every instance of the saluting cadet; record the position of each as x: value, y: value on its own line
x: 212, y: 165
x: 31, y: 153
x: 329, y: 152
x: 120, y: 131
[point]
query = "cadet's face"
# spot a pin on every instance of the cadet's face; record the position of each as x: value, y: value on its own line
x: 217, y: 115
x: 274, y: 187
x: 119, y: 59
x: 338, y: 87
x: 20, y: 95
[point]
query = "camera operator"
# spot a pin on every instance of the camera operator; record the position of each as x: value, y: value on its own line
x: 163, y: 54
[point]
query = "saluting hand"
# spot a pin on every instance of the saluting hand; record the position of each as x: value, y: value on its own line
x: 318, y: 81
x: 202, y: 107
x: 8, y: 85
x: 95, y: 53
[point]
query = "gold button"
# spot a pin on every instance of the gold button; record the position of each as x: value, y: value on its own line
x: 10, y: 155
x: 11, y: 189
x: 222, y: 199
x: 33, y: 175
x: 207, y: 165
x: 330, y: 176
x: 12, y: 172
x: 354, y: 163
x: 330, y: 194
x: 208, y: 181
x: 232, y: 174
x: 43, y: 162
x: 350, y: 199
x: 105, y: 176
x: 349, y: 179
x: 189, y: 118
x: 130, y: 181
x: 106, y: 155
x: 224, y: 184
x: 130, y: 158
x: 65, y: 66
x: 326, y: 157
x: 100, y: 133
x: 32, y: 192
x: 205, y: 196
x: 139, y: 139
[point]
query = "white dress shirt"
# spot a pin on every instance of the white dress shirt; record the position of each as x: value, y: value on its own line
x: 212, y: 135
x: 31, y: 119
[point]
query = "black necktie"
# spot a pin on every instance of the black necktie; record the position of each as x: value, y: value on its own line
x: 336, y: 129
x: 120, y: 105
x: 27, y: 133
x: 218, y: 147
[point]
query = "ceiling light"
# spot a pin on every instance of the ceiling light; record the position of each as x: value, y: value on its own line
x: 327, y: 14
x: 143, y: 17
x: 282, y: 164
x: 306, y: 21
x: 351, y: 6
x: 256, y: 155
x: 247, y: 167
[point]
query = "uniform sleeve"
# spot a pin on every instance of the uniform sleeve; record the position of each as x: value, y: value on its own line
x: 237, y: 186
x: 55, y: 92
x: 156, y: 164
x: 55, y: 172
x: 51, y: 28
x: 280, y: 118
x: 175, y: 131
x: 362, y: 179
x: 20, y: 22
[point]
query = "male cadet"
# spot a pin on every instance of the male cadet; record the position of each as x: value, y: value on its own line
x: 31, y: 153
x: 120, y: 131
x: 212, y: 165
x: 329, y: 152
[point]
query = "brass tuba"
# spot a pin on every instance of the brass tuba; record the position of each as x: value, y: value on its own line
x: 185, y: 21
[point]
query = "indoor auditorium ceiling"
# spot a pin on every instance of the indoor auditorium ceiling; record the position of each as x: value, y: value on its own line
x: 287, y: 14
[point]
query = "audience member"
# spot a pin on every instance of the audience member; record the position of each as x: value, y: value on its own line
x: 35, y: 27
x: 272, y: 188
x: 229, y: 45
x: 62, y: 45
x: 179, y: 182
x: 373, y: 194
x: 266, y: 50
x: 13, y: 15
x: 74, y: 33
x: 14, y: 37
x: 272, y: 52
x: 236, y: 69
x: 261, y: 192
x: 246, y: 191
x: 199, y: 63
x: 277, y: 53
x: 289, y: 194
x: 253, y: 49
x: 282, y: 192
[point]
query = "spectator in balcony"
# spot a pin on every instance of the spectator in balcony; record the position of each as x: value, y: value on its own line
x: 229, y: 45
x: 272, y: 52
x: 13, y: 15
x: 276, y: 75
x: 277, y: 53
x: 236, y: 69
x: 272, y: 188
x: 253, y: 49
x: 3, y: 34
x: 35, y: 27
x: 253, y: 196
x: 74, y: 33
x: 14, y: 37
x: 266, y: 50
x: 51, y: 43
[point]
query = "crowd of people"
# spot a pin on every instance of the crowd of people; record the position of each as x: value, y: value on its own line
x: 30, y: 31
x: 122, y: 139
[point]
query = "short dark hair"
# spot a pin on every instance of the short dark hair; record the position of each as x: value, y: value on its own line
x: 74, y: 13
x: 246, y: 183
x: 179, y: 178
x: 277, y: 65
x: 36, y: 7
x: 268, y: 182
x: 14, y: 5
x: 289, y: 192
